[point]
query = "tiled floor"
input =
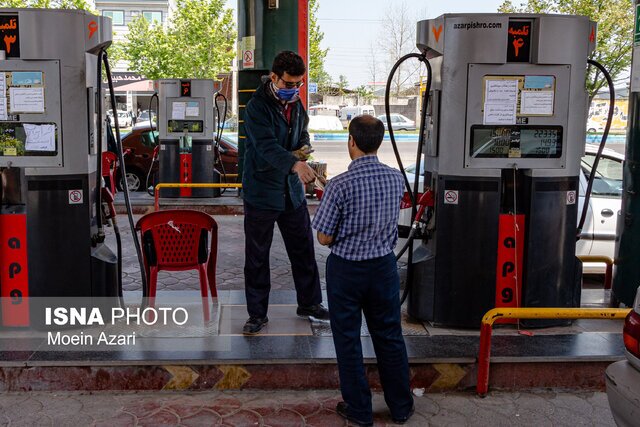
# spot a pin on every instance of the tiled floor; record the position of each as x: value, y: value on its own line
x: 296, y: 409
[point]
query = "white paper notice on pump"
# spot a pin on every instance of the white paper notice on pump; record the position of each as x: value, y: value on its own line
x: 500, y: 102
x: 3, y: 96
x: 192, y: 110
x: 178, y: 110
x: 499, y: 114
x: 536, y: 103
x: 501, y: 92
x: 27, y: 99
x: 40, y: 137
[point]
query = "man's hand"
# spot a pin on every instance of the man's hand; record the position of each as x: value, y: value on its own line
x: 303, y: 153
x: 304, y: 171
x: 323, y: 239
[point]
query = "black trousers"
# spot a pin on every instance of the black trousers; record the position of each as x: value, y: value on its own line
x: 371, y: 287
x: 295, y: 226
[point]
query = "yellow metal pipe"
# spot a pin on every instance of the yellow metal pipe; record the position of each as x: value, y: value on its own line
x: 484, y: 353
x: 189, y: 185
x: 223, y: 185
x: 553, y: 313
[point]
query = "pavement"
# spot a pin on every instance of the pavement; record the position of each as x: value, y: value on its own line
x: 288, y: 408
x: 230, y: 266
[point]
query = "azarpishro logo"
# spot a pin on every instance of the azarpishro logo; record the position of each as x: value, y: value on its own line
x: 477, y: 25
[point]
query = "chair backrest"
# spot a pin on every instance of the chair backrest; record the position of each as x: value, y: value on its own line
x: 175, y: 239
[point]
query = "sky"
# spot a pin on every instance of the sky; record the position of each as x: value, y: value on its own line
x: 352, y: 27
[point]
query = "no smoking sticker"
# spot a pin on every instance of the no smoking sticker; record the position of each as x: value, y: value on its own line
x: 247, y: 59
x: 450, y: 197
x: 75, y: 197
x: 571, y: 197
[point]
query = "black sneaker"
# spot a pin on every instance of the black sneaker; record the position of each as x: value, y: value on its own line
x: 341, y: 409
x: 254, y: 325
x: 316, y: 311
x: 406, y: 418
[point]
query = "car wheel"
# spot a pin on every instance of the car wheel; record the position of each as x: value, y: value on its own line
x: 135, y: 181
x: 591, y: 130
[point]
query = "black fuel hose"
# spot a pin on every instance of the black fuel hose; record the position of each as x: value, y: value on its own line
x: 101, y: 53
x: 123, y: 177
x: 413, y: 192
x: 387, y: 110
x: 605, y: 134
x: 219, y: 131
x: 155, y: 139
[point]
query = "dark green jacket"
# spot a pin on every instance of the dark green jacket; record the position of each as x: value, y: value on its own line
x: 268, y: 155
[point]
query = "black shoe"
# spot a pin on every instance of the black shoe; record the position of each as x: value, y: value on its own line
x: 254, y: 325
x: 341, y: 409
x: 316, y: 311
x: 404, y: 419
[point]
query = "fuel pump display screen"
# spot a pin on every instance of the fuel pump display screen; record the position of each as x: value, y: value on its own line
x: 191, y: 126
x: 535, y: 142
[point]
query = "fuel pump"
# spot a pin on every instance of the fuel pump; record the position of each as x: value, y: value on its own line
x: 186, y: 127
x: 51, y: 229
x: 504, y: 133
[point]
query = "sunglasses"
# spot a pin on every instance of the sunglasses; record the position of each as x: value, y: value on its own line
x: 291, y: 85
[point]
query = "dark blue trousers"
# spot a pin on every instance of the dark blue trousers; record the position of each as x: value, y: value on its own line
x: 295, y: 226
x: 371, y: 287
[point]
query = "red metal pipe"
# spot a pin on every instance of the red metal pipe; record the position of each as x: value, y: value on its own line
x: 484, y: 355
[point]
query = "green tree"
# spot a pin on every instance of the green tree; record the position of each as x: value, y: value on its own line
x: 197, y: 42
x: 316, y: 53
x: 615, y: 26
x: 49, y: 4
x: 342, y: 84
x: 365, y: 93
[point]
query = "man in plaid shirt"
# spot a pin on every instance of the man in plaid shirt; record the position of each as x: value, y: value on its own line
x: 358, y: 220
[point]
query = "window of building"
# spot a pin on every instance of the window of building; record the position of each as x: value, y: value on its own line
x: 117, y: 16
x: 153, y: 17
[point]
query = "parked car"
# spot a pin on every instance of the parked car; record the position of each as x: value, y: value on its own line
x: 594, y: 126
x: 623, y: 377
x: 599, y: 230
x: 324, y: 123
x: 124, y: 119
x: 145, y: 115
x: 141, y: 143
x: 398, y: 122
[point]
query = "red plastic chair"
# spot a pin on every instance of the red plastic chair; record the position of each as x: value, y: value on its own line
x: 176, y: 240
x: 109, y: 167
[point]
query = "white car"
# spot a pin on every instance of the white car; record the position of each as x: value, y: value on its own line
x: 599, y: 230
x: 594, y: 126
x: 124, y: 119
x: 623, y: 377
x: 398, y: 122
x: 324, y: 123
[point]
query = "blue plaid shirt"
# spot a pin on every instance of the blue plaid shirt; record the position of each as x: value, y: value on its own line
x: 360, y: 209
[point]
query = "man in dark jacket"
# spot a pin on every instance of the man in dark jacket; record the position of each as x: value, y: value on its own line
x: 273, y: 185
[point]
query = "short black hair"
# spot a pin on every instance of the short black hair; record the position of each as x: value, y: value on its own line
x: 367, y: 132
x: 288, y: 62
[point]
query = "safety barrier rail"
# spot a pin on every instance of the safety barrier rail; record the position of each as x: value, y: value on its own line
x: 181, y: 185
x: 491, y: 316
x: 608, y: 275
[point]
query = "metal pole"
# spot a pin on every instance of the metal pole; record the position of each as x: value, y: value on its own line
x: 627, y: 269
